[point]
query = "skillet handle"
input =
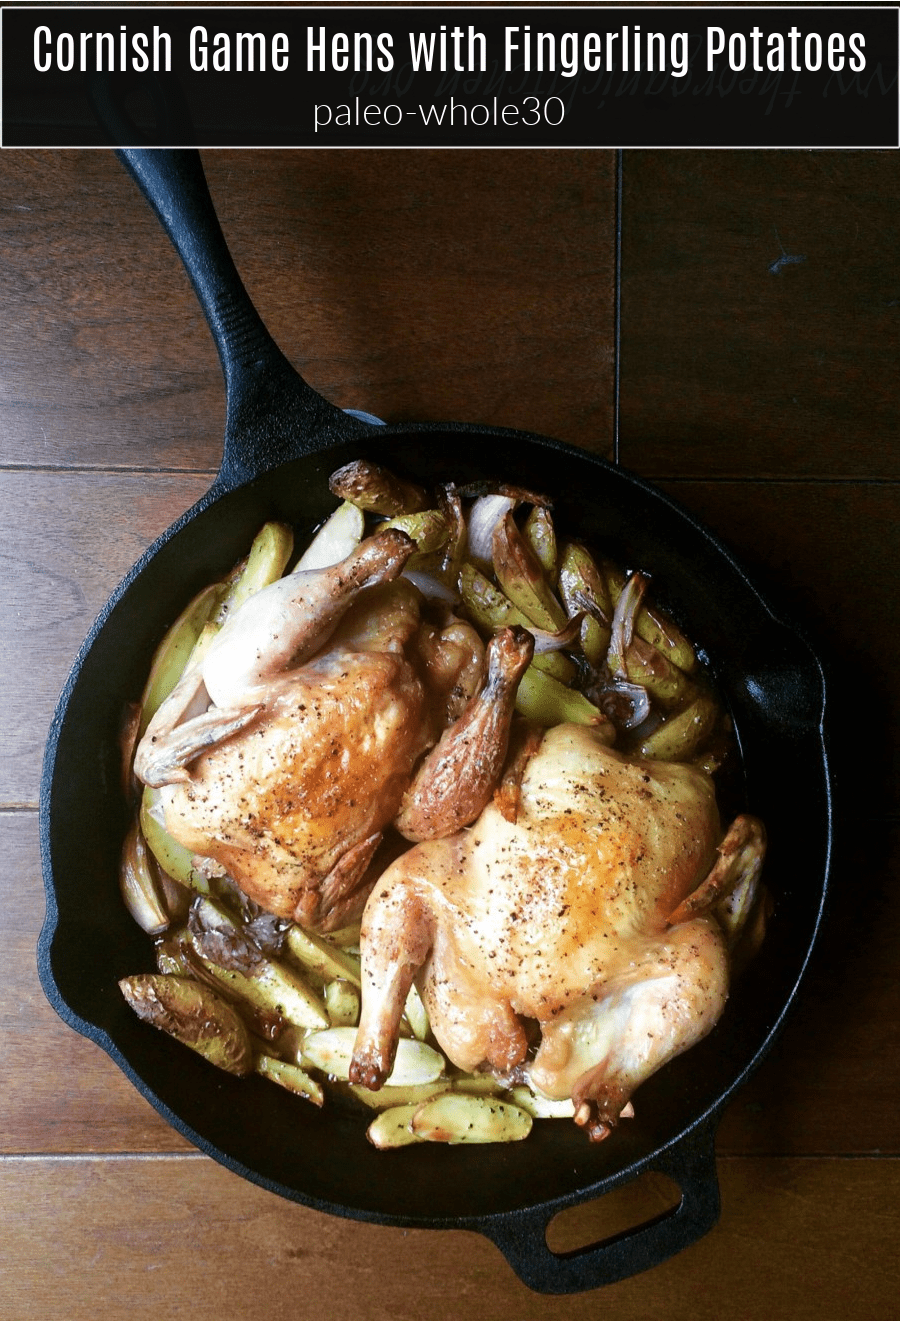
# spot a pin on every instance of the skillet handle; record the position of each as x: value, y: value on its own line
x: 259, y: 379
x: 691, y: 1163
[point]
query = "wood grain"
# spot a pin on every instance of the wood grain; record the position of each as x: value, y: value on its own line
x: 61, y: 1093
x: 165, y: 1236
x: 67, y: 539
x: 819, y: 550
x: 478, y: 289
x: 760, y: 314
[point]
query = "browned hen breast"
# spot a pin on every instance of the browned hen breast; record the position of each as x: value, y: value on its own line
x: 314, y: 779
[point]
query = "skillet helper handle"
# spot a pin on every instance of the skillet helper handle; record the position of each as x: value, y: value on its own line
x: 258, y: 377
x: 691, y: 1163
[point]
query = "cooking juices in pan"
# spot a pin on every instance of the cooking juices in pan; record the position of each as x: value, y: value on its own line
x: 465, y: 626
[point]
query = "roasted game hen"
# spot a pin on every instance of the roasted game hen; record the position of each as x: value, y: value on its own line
x: 589, y: 914
x: 285, y: 754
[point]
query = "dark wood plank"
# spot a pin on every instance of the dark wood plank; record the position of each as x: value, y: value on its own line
x: 830, y: 1082
x: 66, y: 541
x: 760, y: 306
x: 467, y: 285
x: 61, y: 1093
x: 106, y: 359
x: 472, y: 286
x: 825, y: 553
x: 137, y: 1239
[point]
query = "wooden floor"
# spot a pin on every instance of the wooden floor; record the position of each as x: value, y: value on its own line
x: 758, y: 297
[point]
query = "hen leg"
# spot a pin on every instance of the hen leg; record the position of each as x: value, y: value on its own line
x: 472, y: 1024
x: 339, y: 893
x: 737, y: 868
x: 397, y: 934
x: 457, y: 778
x: 524, y: 744
x: 601, y: 1051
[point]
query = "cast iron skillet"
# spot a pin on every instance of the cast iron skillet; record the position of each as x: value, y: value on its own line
x: 281, y: 442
